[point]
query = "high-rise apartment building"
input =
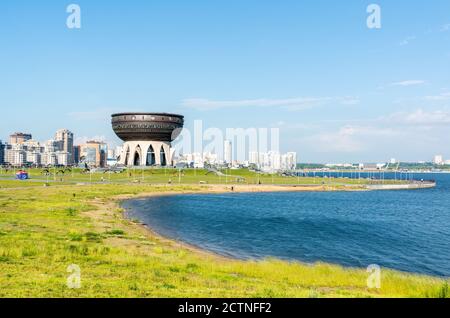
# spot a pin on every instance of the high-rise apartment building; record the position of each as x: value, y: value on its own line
x: 19, y: 138
x: 65, y: 139
x: 227, y: 152
x: 438, y: 160
x: 15, y: 154
x: 76, y: 154
x: 2, y: 153
x: 94, y: 153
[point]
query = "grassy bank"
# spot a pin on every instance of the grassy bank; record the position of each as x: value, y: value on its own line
x: 180, y: 177
x: 44, y: 230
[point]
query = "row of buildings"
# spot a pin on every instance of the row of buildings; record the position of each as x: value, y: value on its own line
x: 265, y: 161
x: 440, y: 161
x: 22, y: 150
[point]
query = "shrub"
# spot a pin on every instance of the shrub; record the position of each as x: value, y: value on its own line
x: 93, y: 237
x: 116, y: 232
x: 71, y: 211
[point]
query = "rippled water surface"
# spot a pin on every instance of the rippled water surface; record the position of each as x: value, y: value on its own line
x: 404, y: 230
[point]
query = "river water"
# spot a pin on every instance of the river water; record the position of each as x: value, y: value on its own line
x: 403, y: 230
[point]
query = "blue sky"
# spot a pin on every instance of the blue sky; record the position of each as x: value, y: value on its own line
x: 337, y: 90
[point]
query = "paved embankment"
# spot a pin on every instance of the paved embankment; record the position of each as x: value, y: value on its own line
x: 408, y: 186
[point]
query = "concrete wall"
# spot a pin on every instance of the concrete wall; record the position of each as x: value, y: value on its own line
x: 407, y: 186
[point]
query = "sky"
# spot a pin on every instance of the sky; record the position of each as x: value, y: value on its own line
x: 337, y: 90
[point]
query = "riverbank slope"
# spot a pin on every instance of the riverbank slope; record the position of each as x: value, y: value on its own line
x: 45, y: 230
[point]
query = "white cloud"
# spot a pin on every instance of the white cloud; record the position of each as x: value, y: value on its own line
x: 291, y: 104
x: 408, y: 83
x: 402, y: 128
x: 421, y: 117
x: 407, y: 40
x: 440, y: 97
x: 349, y: 138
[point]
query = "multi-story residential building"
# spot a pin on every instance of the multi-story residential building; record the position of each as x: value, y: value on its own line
x: 19, y: 138
x: 289, y: 161
x: 23, y: 150
x: 76, y: 154
x: 253, y: 158
x: 63, y: 158
x: 49, y: 159
x: 52, y: 146
x: 2, y: 153
x: 33, y: 151
x: 94, y: 153
x: 15, y: 155
x: 273, y: 160
x: 65, y: 139
x: 227, y: 152
x: 438, y: 160
x: 34, y: 158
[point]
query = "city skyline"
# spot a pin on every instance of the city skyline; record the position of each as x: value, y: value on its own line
x: 314, y: 70
x: 226, y: 155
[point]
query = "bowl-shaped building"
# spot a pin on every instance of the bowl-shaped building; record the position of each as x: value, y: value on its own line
x: 147, y: 137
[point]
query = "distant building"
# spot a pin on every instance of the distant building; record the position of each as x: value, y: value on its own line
x: 438, y: 160
x: 33, y: 151
x: 76, y: 154
x: 111, y: 154
x: 253, y: 157
x: 273, y: 161
x: 2, y: 153
x: 372, y: 166
x: 52, y: 146
x: 111, y: 158
x: 49, y: 159
x: 289, y: 161
x: 22, y: 150
x: 15, y: 154
x: 227, y: 152
x: 19, y: 138
x: 94, y: 153
x: 65, y: 141
x: 63, y: 158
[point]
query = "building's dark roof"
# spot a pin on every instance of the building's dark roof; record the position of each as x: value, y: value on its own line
x: 144, y: 113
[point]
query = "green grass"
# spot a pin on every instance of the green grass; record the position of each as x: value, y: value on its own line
x: 173, y: 176
x: 43, y: 230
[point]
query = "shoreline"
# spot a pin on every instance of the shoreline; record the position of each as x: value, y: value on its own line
x: 214, y: 189
x: 123, y: 258
x: 221, y: 189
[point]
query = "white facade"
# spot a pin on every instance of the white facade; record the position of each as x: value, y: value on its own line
x: 273, y: 160
x: 63, y: 158
x: 34, y: 153
x: 34, y: 157
x: 64, y: 139
x: 15, y: 155
x: 438, y: 160
x: 253, y: 157
x: 111, y: 154
x: 227, y: 152
x: 146, y: 153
